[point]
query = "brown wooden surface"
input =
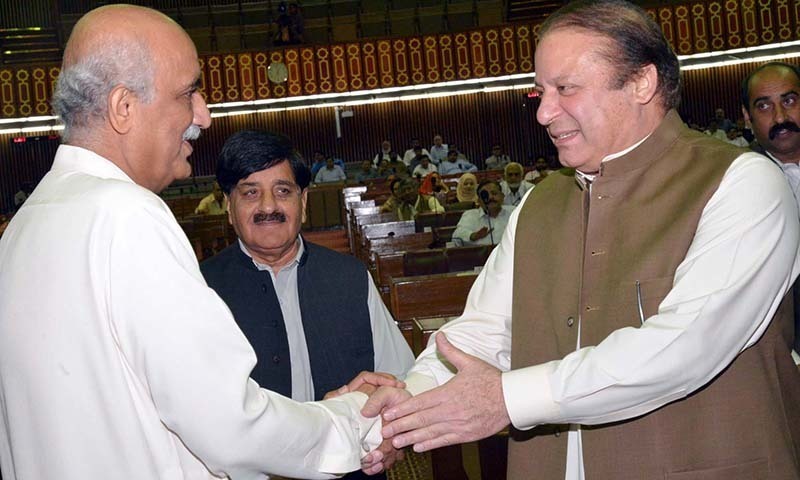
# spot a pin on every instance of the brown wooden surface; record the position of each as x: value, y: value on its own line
x: 424, y: 262
x: 430, y: 295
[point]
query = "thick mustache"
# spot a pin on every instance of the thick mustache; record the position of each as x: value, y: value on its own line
x: 191, y: 133
x: 262, y: 217
x: 776, y: 129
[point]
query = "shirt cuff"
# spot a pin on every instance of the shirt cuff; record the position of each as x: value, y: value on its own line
x: 417, y: 383
x: 528, y: 396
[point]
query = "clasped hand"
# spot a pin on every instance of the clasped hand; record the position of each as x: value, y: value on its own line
x: 469, y: 407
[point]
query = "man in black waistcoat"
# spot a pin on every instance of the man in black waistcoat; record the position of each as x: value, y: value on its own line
x: 312, y: 315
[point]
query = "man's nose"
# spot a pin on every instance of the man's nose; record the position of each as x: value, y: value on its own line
x: 202, y: 117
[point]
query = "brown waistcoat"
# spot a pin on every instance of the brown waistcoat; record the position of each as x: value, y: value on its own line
x: 578, y: 256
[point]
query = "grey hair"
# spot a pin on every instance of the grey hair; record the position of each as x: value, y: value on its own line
x: 82, y: 89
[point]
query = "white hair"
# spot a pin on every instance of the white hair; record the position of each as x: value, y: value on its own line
x: 82, y: 89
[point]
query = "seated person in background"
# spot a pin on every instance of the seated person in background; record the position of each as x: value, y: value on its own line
x: 714, y: 130
x: 213, y: 204
x: 498, y: 160
x: 415, y: 159
x: 735, y: 138
x: 438, y: 150
x: 395, y: 166
x: 319, y: 162
x: 424, y: 168
x: 467, y: 189
x: 723, y: 122
x: 390, y: 205
x: 411, y: 202
x: 309, y: 333
x: 331, y: 173
x: 484, y: 225
x: 432, y: 184
x: 461, y: 155
x: 512, y: 185
x: 367, y: 172
x: 383, y: 154
x: 540, y: 171
x: 453, y: 165
x: 414, y: 151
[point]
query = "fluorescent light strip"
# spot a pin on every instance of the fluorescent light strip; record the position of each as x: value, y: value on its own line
x: 737, y: 51
x: 43, y: 128
x: 28, y: 119
x: 738, y: 61
x: 377, y: 91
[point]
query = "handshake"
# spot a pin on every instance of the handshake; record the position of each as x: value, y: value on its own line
x: 468, y: 407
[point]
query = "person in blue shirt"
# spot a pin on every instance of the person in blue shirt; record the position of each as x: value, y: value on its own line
x: 452, y: 164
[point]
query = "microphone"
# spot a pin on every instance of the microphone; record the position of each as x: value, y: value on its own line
x: 485, y: 199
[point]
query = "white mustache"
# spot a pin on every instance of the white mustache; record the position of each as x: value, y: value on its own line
x: 192, y: 133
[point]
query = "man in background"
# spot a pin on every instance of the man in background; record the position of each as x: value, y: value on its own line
x: 512, y: 185
x: 771, y: 108
x: 411, y: 203
x: 484, y: 225
x: 330, y: 173
x: 312, y: 315
x: 214, y: 203
x: 455, y: 165
x: 497, y: 160
x: 116, y: 359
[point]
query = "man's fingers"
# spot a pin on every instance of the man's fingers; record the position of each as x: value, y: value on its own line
x: 378, y: 379
x: 427, y: 438
x: 384, y: 397
x: 438, y: 442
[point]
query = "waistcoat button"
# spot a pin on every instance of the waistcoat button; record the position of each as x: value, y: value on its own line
x: 276, y: 359
x: 570, y: 321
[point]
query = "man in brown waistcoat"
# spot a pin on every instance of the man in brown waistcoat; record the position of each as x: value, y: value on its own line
x: 644, y: 333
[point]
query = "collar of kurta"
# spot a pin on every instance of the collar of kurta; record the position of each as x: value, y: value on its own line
x: 249, y: 262
x: 71, y: 158
x: 639, y: 155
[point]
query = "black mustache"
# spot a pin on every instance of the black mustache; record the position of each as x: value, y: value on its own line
x: 791, y: 126
x: 262, y: 217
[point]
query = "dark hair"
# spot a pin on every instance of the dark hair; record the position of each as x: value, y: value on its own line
x: 487, y: 181
x: 392, y: 184
x: 746, y: 81
x: 636, y: 41
x: 250, y: 151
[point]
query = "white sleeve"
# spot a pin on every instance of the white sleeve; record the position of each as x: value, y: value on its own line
x: 741, y: 262
x: 484, y: 329
x: 463, y: 227
x: 185, y: 350
x: 392, y: 353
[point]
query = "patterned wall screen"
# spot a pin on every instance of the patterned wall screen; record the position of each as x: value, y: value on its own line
x: 692, y: 27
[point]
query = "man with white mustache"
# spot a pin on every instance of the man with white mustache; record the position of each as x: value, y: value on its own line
x: 116, y: 359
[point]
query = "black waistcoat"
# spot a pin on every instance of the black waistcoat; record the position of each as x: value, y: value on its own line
x: 332, y: 289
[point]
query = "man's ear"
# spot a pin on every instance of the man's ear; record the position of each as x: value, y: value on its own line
x: 645, y: 84
x: 121, y: 107
x: 303, y: 200
x: 746, y: 116
x: 228, y: 202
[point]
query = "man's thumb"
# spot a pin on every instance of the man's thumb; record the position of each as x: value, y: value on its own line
x: 456, y: 357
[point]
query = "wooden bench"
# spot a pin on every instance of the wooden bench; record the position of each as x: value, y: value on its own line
x: 430, y: 220
x: 443, y: 294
